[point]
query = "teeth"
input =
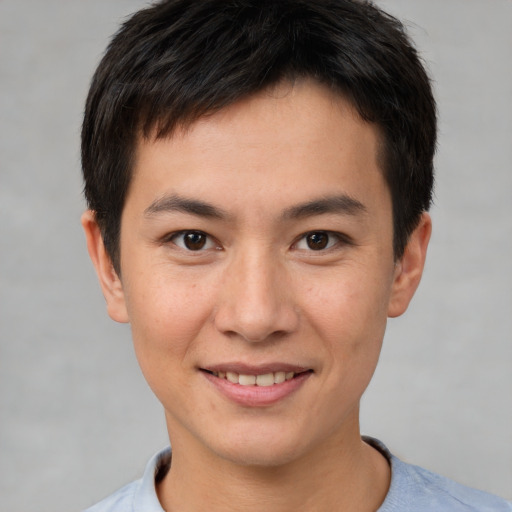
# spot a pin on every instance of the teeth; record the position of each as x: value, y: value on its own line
x: 232, y: 377
x: 266, y: 379
x: 280, y: 377
x: 247, y: 380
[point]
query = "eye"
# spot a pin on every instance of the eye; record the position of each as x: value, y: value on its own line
x: 193, y: 240
x: 318, y: 241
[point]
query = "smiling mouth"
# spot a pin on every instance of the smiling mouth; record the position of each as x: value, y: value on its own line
x: 262, y: 380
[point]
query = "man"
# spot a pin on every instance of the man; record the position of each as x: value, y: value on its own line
x: 258, y: 175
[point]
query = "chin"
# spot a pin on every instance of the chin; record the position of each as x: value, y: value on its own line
x: 262, y: 457
x: 261, y: 449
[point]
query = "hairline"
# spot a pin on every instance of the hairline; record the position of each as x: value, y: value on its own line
x: 157, y: 131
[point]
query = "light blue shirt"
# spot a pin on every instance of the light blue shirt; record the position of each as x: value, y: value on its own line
x: 412, y: 489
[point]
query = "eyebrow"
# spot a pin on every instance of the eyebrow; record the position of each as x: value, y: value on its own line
x: 175, y: 203
x: 340, y: 204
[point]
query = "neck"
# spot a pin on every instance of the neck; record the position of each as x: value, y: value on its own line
x: 343, y: 474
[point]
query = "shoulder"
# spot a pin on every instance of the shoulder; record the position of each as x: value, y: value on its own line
x: 122, y: 500
x: 139, y: 496
x: 416, y: 489
x: 429, y: 491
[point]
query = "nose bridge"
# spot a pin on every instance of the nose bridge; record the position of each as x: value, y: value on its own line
x: 255, y: 304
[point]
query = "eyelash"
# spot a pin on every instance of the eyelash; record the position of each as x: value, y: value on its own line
x: 209, y: 242
x: 325, y: 239
x: 331, y: 239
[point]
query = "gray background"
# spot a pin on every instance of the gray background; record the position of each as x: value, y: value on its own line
x: 76, y: 418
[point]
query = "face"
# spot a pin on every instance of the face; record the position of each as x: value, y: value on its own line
x: 257, y: 274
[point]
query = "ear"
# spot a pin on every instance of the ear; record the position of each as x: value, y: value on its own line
x: 110, y: 282
x: 410, y: 267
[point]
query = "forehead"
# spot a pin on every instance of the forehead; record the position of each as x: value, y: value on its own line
x: 299, y: 138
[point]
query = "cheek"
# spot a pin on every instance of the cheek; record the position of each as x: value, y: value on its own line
x: 349, y: 313
x: 166, y: 316
x: 350, y: 307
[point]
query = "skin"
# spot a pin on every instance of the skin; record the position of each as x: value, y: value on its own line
x: 258, y: 294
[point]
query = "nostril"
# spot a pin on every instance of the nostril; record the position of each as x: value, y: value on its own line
x: 255, y: 309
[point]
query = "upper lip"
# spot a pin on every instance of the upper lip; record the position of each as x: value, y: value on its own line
x: 257, y: 369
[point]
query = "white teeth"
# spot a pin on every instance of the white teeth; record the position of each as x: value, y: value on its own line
x: 266, y: 379
x: 232, y: 377
x: 279, y: 377
x: 247, y: 380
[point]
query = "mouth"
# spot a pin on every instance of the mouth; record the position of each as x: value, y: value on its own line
x: 266, y: 379
x: 257, y: 386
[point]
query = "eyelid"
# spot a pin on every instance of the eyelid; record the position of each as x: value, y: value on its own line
x: 211, y: 242
x: 340, y: 239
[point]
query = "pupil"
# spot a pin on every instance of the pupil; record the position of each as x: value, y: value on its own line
x: 194, y: 241
x: 317, y: 241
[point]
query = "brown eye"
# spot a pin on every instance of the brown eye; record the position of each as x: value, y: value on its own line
x: 194, y: 240
x: 317, y: 240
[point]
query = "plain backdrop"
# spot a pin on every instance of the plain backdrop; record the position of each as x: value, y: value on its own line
x: 77, y: 420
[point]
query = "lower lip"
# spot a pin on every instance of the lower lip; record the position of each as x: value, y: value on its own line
x: 257, y: 396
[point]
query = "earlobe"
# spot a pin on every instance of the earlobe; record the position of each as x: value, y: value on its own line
x: 410, y: 267
x: 110, y: 282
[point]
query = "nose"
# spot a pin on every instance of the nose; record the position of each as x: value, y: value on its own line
x: 256, y: 302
